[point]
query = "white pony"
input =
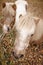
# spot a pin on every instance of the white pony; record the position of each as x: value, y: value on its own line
x: 21, y: 6
x: 8, y: 12
x: 27, y: 26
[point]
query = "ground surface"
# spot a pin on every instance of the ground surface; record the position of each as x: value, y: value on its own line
x: 34, y: 53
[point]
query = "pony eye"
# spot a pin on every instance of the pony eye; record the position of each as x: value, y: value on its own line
x: 13, y: 16
x: 3, y: 5
x: 32, y: 35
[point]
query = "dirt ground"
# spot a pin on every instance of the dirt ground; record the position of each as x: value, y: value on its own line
x: 34, y: 53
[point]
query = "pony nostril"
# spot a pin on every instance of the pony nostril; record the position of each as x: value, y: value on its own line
x: 17, y: 56
x: 6, y: 28
x: 21, y: 55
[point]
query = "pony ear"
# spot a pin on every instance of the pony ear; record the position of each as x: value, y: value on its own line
x: 14, y: 7
x: 3, y: 5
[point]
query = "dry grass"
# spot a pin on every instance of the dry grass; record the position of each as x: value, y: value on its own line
x: 33, y: 56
